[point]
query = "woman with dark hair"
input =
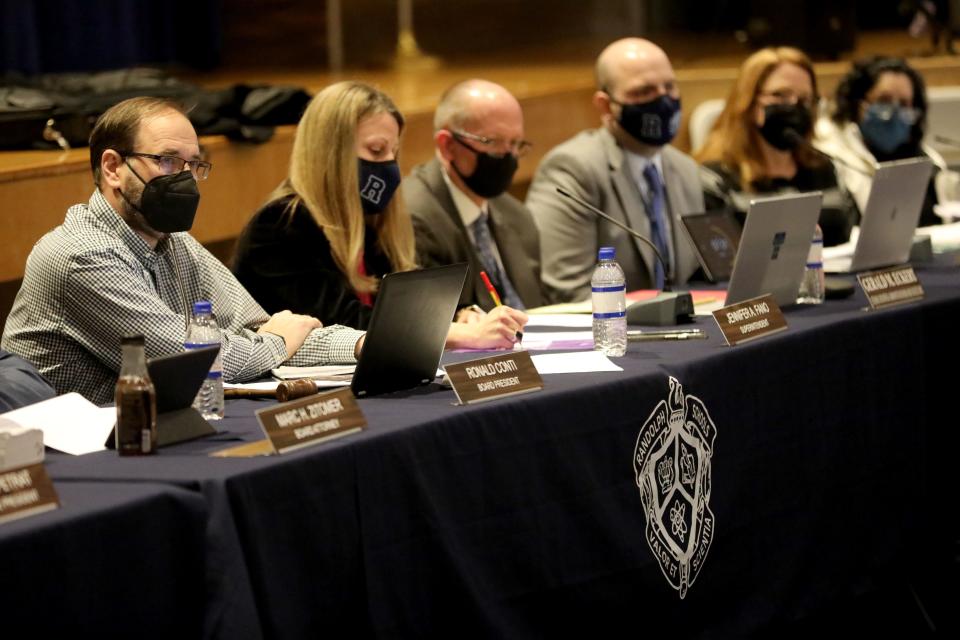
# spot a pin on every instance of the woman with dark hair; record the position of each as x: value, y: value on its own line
x: 761, y: 142
x: 880, y: 114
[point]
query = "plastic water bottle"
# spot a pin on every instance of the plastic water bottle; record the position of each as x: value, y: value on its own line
x: 812, y: 288
x: 203, y: 332
x: 609, y: 305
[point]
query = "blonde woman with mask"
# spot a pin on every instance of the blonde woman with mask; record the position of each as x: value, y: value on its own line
x: 334, y: 227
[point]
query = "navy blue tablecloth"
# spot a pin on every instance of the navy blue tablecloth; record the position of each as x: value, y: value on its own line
x: 114, y: 561
x: 522, y: 517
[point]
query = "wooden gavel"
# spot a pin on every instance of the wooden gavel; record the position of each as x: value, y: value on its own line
x: 285, y: 391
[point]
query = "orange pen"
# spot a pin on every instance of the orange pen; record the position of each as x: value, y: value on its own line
x: 490, y: 289
x: 496, y: 297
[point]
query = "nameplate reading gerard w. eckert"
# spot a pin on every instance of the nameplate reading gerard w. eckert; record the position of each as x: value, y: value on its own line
x: 311, y: 420
x: 494, y: 377
x: 750, y: 319
x: 26, y: 491
x: 887, y: 287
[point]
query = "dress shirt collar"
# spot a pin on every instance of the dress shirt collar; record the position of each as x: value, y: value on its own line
x: 638, y: 164
x: 468, y: 210
x: 104, y: 213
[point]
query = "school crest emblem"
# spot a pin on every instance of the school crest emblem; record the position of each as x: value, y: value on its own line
x: 671, y: 463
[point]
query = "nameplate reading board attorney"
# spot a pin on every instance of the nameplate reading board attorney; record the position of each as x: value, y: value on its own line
x: 25, y: 492
x: 750, y: 319
x: 311, y: 420
x: 888, y: 287
x: 494, y: 377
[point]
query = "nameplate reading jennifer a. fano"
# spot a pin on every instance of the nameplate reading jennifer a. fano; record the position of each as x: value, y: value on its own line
x: 887, y: 287
x: 750, y: 319
x: 311, y: 420
x: 494, y: 377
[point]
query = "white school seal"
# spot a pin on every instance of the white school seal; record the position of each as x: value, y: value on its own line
x: 671, y: 463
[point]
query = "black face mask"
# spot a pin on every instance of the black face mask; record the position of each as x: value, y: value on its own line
x: 492, y: 175
x: 168, y: 203
x: 378, y: 181
x: 653, y: 123
x: 784, y: 125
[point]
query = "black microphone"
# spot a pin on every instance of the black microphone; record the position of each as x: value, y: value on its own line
x: 798, y: 140
x: 667, y: 280
x: 668, y: 308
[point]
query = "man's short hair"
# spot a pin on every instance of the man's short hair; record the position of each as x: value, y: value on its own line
x: 116, y: 128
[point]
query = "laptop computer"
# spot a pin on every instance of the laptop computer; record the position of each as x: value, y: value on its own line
x: 408, y: 329
x: 177, y: 379
x: 715, y: 236
x: 890, y: 217
x: 773, y: 247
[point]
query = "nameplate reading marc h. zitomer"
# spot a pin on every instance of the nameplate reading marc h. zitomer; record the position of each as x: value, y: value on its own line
x: 888, y: 287
x: 750, y: 319
x: 26, y: 491
x: 494, y: 377
x: 311, y: 420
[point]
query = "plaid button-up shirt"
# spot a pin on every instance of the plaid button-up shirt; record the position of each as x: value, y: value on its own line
x: 93, y: 280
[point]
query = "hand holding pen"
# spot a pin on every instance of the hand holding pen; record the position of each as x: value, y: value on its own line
x: 496, y: 300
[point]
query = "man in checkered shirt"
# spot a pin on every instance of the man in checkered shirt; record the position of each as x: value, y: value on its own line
x: 107, y: 272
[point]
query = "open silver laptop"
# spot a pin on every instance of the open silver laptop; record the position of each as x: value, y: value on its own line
x: 774, y: 247
x: 890, y: 217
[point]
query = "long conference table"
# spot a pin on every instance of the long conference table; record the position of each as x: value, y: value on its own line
x: 831, y: 473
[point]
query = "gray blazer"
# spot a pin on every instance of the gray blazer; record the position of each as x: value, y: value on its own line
x: 442, y: 239
x: 592, y: 166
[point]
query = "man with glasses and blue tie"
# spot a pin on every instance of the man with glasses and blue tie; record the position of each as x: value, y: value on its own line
x: 123, y: 263
x: 627, y: 169
x: 459, y: 204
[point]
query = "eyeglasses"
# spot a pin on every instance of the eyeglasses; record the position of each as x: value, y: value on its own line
x: 786, y: 96
x: 174, y: 164
x: 519, y: 148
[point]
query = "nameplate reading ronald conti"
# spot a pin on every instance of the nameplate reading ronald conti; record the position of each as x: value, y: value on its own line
x: 750, y: 319
x: 311, y: 420
x: 887, y: 287
x: 494, y: 377
x: 26, y: 491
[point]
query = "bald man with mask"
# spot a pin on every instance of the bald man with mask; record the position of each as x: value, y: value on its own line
x: 459, y: 204
x: 627, y: 169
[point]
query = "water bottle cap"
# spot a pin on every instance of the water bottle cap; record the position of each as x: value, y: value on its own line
x: 202, y: 306
x: 607, y: 253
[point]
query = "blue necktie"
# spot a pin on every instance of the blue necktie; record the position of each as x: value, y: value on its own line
x: 484, y: 243
x: 658, y: 226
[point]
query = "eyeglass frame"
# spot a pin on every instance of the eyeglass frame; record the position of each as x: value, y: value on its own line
x: 789, y: 97
x: 195, y: 165
x: 519, y: 148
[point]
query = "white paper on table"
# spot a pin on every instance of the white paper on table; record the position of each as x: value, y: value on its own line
x: 263, y: 385
x: 707, y: 308
x: 571, y: 320
x: 943, y: 237
x: 271, y: 385
x: 575, y: 362
x: 536, y: 340
x: 70, y: 423
x: 326, y: 371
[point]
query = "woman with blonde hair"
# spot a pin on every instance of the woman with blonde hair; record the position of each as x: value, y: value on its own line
x: 333, y: 228
x: 762, y: 142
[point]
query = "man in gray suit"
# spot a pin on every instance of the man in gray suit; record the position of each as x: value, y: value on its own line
x: 626, y: 169
x: 461, y: 211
